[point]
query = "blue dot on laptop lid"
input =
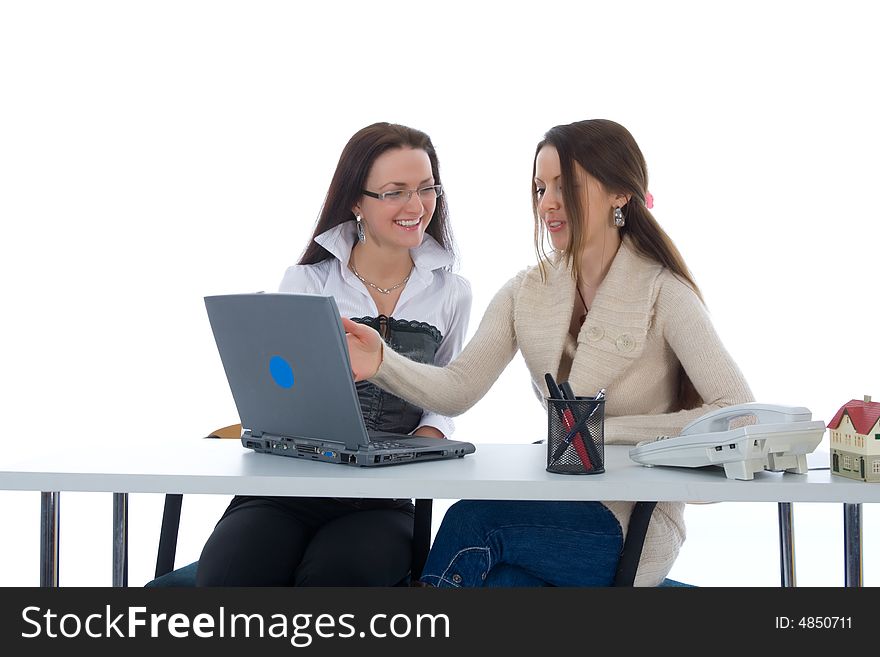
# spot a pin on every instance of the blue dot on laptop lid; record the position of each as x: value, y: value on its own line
x: 281, y: 371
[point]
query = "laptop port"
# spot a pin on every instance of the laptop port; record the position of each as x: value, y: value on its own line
x: 307, y: 449
x: 401, y: 457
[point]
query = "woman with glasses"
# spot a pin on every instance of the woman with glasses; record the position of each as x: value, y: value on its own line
x: 382, y: 247
x: 613, y: 306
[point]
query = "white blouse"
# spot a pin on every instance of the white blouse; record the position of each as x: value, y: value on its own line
x: 432, y: 295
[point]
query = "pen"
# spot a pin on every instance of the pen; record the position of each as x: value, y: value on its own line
x: 552, y: 388
x: 574, y: 436
x: 593, y: 454
x: 567, y: 392
x: 568, y: 421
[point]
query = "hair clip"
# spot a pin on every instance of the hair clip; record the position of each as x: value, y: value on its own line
x: 649, y: 200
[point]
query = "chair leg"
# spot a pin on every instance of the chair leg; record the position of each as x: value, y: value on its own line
x: 421, y: 537
x: 168, y: 534
x: 632, y: 546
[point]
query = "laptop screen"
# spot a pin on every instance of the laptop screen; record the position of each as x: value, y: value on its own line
x: 287, y: 365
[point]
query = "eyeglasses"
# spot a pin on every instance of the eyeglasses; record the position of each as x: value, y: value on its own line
x: 402, y: 196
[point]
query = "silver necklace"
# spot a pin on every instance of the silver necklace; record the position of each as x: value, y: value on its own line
x: 382, y: 290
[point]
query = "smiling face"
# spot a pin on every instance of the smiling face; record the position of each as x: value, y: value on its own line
x: 596, y: 202
x: 388, y: 223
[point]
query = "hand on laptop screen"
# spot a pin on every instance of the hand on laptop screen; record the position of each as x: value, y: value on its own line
x: 364, y: 349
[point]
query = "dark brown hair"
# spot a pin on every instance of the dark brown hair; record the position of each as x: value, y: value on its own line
x: 352, y: 170
x: 608, y: 152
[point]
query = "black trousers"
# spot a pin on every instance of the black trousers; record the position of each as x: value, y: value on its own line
x: 306, y: 541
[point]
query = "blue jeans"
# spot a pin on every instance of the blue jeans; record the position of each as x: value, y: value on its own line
x: 523, y: 543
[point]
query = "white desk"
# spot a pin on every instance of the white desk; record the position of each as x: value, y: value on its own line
x: 495, y: 472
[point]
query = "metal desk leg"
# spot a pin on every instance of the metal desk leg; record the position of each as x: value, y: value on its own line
x: 49, y: 517
x: 786, y: 544
x: 852, y: 544
x: 120, y: 539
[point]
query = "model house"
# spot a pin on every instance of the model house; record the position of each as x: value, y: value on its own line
x: 855, y: 440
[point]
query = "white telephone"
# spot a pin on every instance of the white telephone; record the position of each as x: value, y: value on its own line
x: 745, y: 439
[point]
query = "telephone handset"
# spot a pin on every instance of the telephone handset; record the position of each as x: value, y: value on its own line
x: 744, y: 439
x: 720, y: 419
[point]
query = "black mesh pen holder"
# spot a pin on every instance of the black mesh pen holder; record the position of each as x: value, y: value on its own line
x: 576, y: 436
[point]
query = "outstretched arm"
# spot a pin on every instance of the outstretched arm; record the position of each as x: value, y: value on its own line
x: 449, y: 390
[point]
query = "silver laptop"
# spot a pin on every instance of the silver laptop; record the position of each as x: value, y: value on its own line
x: 287, y: 364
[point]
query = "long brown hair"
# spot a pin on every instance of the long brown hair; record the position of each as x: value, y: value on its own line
x: 608, y: 152
x: 352, y: 170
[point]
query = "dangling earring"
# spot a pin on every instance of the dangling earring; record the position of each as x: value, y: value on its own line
x: 619, y: 219
x: 362, y: 236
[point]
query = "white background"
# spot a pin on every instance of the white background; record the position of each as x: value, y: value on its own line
x: 152, y: 153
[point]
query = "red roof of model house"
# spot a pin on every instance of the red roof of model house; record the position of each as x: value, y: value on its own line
x: 862, y: 413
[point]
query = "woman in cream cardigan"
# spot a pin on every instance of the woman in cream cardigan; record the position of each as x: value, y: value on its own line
x: 613, y: 307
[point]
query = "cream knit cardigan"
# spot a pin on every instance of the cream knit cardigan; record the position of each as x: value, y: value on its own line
x: 644, y: 321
